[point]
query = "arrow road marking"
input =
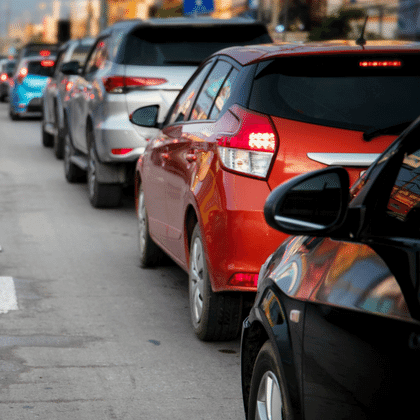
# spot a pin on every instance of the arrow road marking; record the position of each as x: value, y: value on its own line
x: 8, y: 301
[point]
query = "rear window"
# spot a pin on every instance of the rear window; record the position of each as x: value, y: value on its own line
x: 166, y: 46
x: 41, y: 68
x: 352, y: 92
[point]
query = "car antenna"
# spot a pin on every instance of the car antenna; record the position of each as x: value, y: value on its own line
x: 361, y: 40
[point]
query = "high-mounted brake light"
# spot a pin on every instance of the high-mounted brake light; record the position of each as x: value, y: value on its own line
x: 117, y: 84
x: 251, y: 149
x: 45, y: 53
x: 376, y: 63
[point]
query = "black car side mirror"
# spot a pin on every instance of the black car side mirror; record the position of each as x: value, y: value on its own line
x: 146, y: 116
x: 70, y: 68
x: 314, y: 203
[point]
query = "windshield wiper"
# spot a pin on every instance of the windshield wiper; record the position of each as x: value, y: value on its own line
x: 391, y: 129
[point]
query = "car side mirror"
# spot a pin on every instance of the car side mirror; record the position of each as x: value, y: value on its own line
x: 70, y: 68
x: 314, y: 203
x: 146, y: 116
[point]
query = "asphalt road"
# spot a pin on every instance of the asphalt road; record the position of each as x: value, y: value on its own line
x: 88, y: 334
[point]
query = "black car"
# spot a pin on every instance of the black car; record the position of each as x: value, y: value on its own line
x: 334, y: 332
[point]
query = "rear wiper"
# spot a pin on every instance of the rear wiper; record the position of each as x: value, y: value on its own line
x: 391, y: 129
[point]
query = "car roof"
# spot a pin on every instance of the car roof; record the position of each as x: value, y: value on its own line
x: 255, y: 53
x: 130, y: 24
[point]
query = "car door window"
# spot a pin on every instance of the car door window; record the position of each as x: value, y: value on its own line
x: 209, y: 91
x: 98, y: 58
x: 404, y: 200
x: 182, y: 107
x: 224, y: 94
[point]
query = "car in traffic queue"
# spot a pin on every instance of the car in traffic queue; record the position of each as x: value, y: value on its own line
x: 7, y: 67
x: 334, y: 332
x: 27, y: 86
x: 58, y: 87
x: 135, y: 63
x: 249, y: 119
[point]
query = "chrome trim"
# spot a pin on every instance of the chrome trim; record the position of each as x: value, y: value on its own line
x: 344, y: 159
x: 299, y: 223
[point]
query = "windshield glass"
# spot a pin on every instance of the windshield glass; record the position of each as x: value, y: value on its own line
x: 339, y: 91
x: 190, y: 45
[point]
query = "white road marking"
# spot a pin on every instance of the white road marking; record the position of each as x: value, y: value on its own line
x: 8, y: 301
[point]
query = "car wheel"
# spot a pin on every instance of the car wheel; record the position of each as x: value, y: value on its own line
x: 150, y: 254
x: 58, y: 141
x: 47, y: 138
x: 101, y: 195
x: 267, y: 398
x: 214, y: 316
x: 13, y: 116
x: 72, y: 172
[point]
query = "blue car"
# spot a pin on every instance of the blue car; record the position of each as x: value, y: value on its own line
x: 27, y: 86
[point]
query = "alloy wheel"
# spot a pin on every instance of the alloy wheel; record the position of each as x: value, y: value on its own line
x: 197, y: 279
x: 269, y: 399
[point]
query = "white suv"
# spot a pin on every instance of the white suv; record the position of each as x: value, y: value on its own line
x: 134, y: 64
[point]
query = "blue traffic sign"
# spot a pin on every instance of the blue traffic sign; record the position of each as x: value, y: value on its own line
x: 198, y: 7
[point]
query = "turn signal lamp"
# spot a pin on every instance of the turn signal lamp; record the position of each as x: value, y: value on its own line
x: 251, y: 150
x: 69, y: 85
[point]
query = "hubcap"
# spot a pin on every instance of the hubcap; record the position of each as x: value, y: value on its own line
x: 197, y: 279
x: 269, y: 401
x: 142, y: 222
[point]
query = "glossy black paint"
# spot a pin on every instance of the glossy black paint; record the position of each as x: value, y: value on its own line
x: 343, y: 312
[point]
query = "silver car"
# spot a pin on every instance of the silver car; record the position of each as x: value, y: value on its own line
x: 57, y: 89
x: 134, y: 64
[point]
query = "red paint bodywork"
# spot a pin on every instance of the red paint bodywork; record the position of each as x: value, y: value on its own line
x: 183, y: 178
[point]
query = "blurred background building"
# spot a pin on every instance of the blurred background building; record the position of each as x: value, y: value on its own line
x: 55, y: 20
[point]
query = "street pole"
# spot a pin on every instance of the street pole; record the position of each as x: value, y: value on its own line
x: 103, y: 19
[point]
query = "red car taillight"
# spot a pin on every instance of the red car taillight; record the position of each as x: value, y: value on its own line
x: 251, y: 149
x: 23, y: 72
x: 116, y: 84
x: 3, y: 77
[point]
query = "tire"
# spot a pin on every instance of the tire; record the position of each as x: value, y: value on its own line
x: 58, y: 139
x: 13, y: 116
x: 72, y: 172
x: 100, y: 195
x: 150, y: 254
x: 267, y: 398
x: 47, y: 138
x: 214, y: 316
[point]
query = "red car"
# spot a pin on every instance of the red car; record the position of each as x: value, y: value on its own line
x: 249, y: 119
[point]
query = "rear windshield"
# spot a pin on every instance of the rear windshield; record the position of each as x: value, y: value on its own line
x: 40, y: 68
x: 353, y: 92
x: 187, y: 45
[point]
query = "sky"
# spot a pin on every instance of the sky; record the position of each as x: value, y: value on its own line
x: 29, y: 11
